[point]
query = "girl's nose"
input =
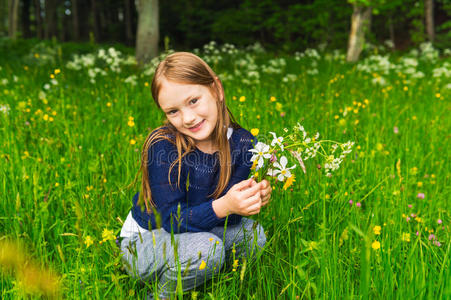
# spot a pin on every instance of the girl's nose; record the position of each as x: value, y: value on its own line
x: 188, y: 119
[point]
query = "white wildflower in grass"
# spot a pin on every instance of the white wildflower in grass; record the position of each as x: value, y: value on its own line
x: 282, y: 171
x: 276, y: 140
x: 261, y: 152
x: 4, y: 108
x: 4, y: 81
x: 131, y: 80
x: 271, y: 160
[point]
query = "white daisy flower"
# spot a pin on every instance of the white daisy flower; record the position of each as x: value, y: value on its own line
x: 283, y: 172
x: 261, y: 151
x: 276, y: 140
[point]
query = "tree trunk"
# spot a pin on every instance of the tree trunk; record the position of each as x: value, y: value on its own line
x: 148, y: 31
x: 25, y: 17
x: 13, y: 8
x: 37, y: 14
x: 429, y: 16
x: 95, y: 20
x: 75, y: 20
x: 391, y: 29
x: 50, y: 19
x: 128, y: 22
x: 360, y: 22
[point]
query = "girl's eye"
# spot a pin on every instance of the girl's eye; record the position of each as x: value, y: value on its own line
x: 171, y: 112
x: 193, y: 101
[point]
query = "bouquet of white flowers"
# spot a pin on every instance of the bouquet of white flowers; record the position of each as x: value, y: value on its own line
x: 271, y: 160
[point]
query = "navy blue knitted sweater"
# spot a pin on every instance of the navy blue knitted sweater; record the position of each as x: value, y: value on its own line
x: 202, y: 171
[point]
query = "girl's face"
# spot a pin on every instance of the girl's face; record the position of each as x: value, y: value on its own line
x: 191, y: 109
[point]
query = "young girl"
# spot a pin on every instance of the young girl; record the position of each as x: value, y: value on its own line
x: 194, y: 184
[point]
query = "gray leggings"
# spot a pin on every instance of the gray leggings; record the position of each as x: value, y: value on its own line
x: 150, y: 256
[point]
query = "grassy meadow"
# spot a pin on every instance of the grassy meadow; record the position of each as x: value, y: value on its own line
x: 73, y: 118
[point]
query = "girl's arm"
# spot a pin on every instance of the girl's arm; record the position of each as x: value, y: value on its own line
x: 170, y: 198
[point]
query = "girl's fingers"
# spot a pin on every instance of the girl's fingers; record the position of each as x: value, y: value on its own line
x: 251, y: 191
x: 255, y: 208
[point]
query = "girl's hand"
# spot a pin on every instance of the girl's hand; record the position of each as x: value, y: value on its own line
x: 243, y: 198
x: 265, y: 191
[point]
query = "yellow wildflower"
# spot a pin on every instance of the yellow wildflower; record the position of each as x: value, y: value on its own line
x: 272, y: 99
x: 108, y: 104
x: 132, y: 141
x: 203, y: 264
x: 377, y: 230
x: 255, y: 131
x: 437, y: 95
x: 289, y: 182
x: 405, y: 237
x: 376, y: 245
x: 242, y: 98
x: 88, y: 241
x: 131, y: 123
x: 379, y: 147
x: 57, y: 71
x: 108, y: 235
x: 419, y: 184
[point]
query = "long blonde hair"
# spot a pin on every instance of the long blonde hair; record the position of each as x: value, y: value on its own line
x: 187, y: 68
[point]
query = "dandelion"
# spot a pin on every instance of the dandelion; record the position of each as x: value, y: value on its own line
x: 255, y: 131
x: 376, y: 245
x: 242, y: 98
x: 377, y: 230
x: 131, y: 123
x: 132, y: 141
x: 203, y: 264
x: 272, y: 99
x: 420, y: 195
x: 88, y: 241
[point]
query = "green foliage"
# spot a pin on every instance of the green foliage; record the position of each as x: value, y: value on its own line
x: 68, y: 152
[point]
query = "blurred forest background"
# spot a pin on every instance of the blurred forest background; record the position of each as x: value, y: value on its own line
x: 279, y: 25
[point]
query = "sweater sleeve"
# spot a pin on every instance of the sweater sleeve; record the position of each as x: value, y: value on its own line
x: 170, y: 197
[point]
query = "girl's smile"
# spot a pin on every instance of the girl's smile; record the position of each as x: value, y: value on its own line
x: 191, y: 109
x: 197, y: 127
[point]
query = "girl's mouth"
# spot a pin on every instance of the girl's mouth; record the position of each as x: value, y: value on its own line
x: 197, y: 127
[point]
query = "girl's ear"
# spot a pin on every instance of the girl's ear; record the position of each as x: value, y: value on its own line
x: 218, y: 84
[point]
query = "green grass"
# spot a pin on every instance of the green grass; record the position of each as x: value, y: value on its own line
x: 65, y: 179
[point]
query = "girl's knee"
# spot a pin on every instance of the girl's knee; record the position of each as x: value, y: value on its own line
x: 261, y: 236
